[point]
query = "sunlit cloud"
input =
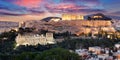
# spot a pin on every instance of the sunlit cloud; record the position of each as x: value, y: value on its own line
x: 29, y: 3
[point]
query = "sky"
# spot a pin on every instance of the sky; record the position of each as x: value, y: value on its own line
x: 23, y: 10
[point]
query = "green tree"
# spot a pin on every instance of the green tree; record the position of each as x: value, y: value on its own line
x: 57, y: 54
x: 7, y: 41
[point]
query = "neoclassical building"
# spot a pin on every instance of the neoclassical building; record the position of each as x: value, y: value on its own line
x: 34, y: 39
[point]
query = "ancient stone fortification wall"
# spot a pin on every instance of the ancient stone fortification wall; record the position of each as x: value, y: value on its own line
x: 32, y: 39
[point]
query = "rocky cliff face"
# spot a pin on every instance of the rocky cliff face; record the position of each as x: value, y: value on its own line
x: 76, y: 26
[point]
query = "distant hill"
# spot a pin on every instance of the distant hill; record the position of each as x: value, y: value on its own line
x: 50, y: 18
x: 8, y: 24
x: 115, y: 17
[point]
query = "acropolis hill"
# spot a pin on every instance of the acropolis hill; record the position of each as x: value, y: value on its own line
x: 73, y: 26
x: 76, y: 24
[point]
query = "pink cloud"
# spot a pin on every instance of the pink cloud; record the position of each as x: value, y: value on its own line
x: 64, y: 7
x: 29, y: 3
x: 69, y: 6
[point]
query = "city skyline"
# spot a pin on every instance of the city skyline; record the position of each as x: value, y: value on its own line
x: 22, y: 10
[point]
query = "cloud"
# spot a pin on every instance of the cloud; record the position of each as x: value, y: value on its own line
x: 49, y: 6
x: 93, y: 10
x: 71, y: 8
x: 28, y: 3
x: 9, y: 6
x: 83, y: 2
x: 12, y: 13
x: 35, y: 9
